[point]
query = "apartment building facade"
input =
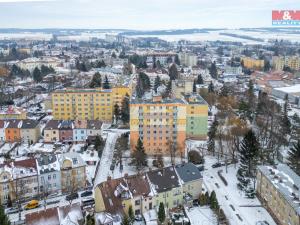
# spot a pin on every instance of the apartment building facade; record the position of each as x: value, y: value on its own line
x: 159, y: 123
x: 278, y: 189
x: 73, y: 172
x: 279, y: 62
x: 252, y: 63
x: 165, y: 124
x: 87, y: 104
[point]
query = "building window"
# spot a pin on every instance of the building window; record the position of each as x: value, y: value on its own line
x: 137, y: 202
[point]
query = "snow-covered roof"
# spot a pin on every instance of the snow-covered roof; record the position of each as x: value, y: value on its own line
x: 286, y: 181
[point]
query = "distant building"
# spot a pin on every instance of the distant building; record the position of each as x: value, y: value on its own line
x: 188, y: 59
x: 13, y: 113
x: 31, y: 63
x: 279, y: 62
x: 182, y: 86
x: 252, y: 63
x: 278, y: 189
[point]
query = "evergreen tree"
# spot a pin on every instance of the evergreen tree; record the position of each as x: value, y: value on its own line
x: 194, y: 87
x: 139, y: 88
x: 113, y: 55
x: 251, y: 97
x: 224, y: 91
x: 267, y: 65
x: 200, y: 79
x: 294, y: 158
x: 96, y: 80
x: 161, y: 212
x: 211, y: 88
x: 117, y: 112
x: 131, y: 214
x: 285, y: 121
x: 168, y: 89
x: 154, y: 62
x: 139, y: 156
x: 99, y: 145
x: 157, y: 83
x: 106, y: 84
x: 213, y: 201
x: 4, y: 220
x: 246, y: 174
x: 37, y: 75
x: 176, y: 60
x: 213, y: 70
x: 211, y: 136
x: 173, y: 72
x: 125, y: 220
x: 125, y: 113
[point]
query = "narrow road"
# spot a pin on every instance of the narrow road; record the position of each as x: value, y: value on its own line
x: 103, y: 169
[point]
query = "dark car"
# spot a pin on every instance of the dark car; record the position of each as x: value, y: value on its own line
x: 72, y: 196
x: 86, y: 193
x: 216, y: 165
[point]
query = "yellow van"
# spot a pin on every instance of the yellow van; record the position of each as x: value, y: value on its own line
x: 32, y: 204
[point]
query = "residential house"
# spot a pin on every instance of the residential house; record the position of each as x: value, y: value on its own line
x: 48, y: 169
x: 2, y: 130
x: 30, y: 131
x: 94, y: 128
x: 51, y: 131
x: 13, y: 131
x: 115, y: 196
x: 191, y: 179
x: 80, y: 131
x: 66, y: 131
x: 73, y: 172
x: 166, y: 186
x: 63, y: 215
x: 18, y: 179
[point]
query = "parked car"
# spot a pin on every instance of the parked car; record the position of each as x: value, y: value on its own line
x: 216, y: 165
x: 88, y: 202
x: 32, y: 204
x: 72, y: 196
x: 86, y: 193
x: 12, y: 210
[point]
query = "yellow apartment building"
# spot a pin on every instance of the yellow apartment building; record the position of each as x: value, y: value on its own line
x: 87, y: 104
x: 252, y: 63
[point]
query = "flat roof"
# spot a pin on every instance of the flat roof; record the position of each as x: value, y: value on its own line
x: 286, y: 181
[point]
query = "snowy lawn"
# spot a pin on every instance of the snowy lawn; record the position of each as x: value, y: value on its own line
x: 201, y: 216
x: 237, y: 208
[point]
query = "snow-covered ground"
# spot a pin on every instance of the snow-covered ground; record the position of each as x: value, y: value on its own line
x: 201, y: 216
x: 103, y: 169
x: 238, y: 209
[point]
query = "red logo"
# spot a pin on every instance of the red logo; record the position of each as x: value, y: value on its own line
x: 286, y: 15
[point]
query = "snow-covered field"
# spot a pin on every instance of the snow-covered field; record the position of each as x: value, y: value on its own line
x: 201, y: 216
x: 238, y: 209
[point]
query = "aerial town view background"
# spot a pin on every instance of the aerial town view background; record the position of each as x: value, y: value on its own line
x: 149, y: 113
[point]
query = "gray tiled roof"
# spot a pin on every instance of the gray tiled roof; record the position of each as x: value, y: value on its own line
x: 164, y: 179
x: 188, y: 172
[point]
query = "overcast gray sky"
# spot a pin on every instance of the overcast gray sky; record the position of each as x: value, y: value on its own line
x: 140, y: 14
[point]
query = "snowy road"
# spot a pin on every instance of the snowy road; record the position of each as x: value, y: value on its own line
x: 231, y: 199
x: 103, y: 170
